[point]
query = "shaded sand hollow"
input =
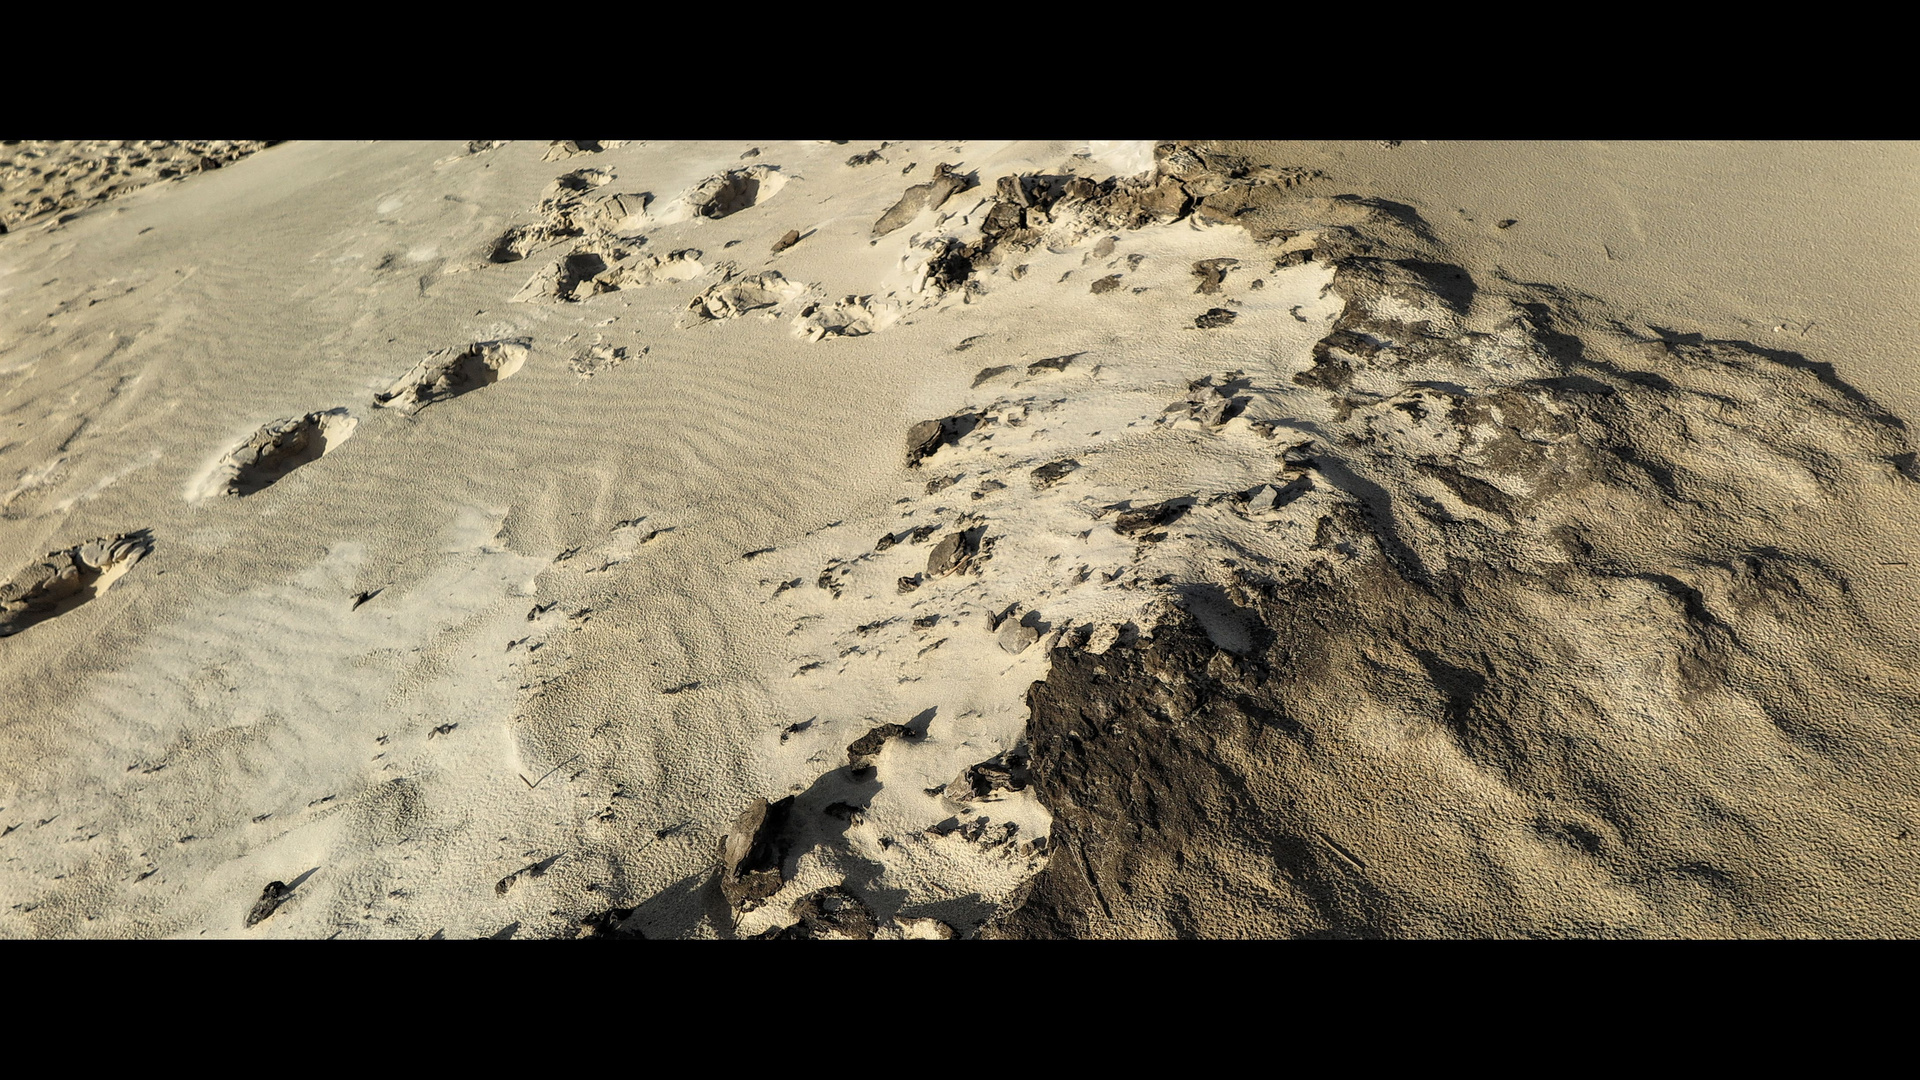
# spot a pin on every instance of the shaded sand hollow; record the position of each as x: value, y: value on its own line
x: 941, y: 540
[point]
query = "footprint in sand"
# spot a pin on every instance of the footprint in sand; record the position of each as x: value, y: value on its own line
x: 595, y: 359
x: 852, y: 316
x: 66, y: 579
x: 733, y: 191
x: 279, y: 448
x: 730, y: 300
x: 600, y: 267
x: 452, y: 372
x: 725, y: 194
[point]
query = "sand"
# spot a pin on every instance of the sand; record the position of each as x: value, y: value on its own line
x: 848, y: 540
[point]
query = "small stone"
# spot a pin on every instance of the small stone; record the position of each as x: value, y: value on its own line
x: 1211, y: 273
x: 791, y: 237
x: 1051, y: 473
x: 863, y: 751
x: 270, y: 900
x: 752, y: 852
x: 953, y: 552
x: 989, y: 372
x: 1141, y: 519
x: 1215, y: 318
x: 1014, y: 637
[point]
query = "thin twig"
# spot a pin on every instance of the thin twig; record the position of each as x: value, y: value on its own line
x: 550, y: 772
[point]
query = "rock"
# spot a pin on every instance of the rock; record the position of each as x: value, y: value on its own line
x: 1211, y: 273
x: 928, y: 436
x: 1215, y: 318
x: 923, y: 439
x: 1166, y: 200
x: 1051, y: 473
x: 863, y: 751
x: 270, y: 900
x: 829, y: 914
x: 1105, y: 285
x: 752, y: 853
x: 787, y: 240
x: 1014, y: 637
x: 1141, y: 519
x: 1003, y: 772
x: 988, y: 487
x: 606, y: 926
x: 928, y: 196
x: 847, y: 812
x: 954, y: 552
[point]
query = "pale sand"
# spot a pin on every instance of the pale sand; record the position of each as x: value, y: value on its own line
x: 521, y: 650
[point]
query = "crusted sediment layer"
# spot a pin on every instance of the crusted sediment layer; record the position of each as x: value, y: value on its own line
x: 1572, y: 651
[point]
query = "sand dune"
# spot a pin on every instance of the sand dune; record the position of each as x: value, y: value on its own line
x: 922, y: 540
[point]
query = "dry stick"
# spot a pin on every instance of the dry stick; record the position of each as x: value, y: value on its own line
x: 543, y: 776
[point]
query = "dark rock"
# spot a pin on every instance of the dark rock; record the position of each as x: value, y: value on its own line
x: 753, y: 852
x: 1144, y: 518
x: 1293, y: 258
x: 1004, y: 772
x: 1051, y: 473
x: 1211, y: 273
x: 990, y: 372
x: 847, y: 812
x: 1053, y: 363
x: 270, y: 900
x: 829, y: 914
x: 862, y: 751
x: 606, y: 926
x: 954, y: 552
x: 928, y: 436
x: 787, y: 240
x: 1215, y: 318
x: 1105, y: 285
